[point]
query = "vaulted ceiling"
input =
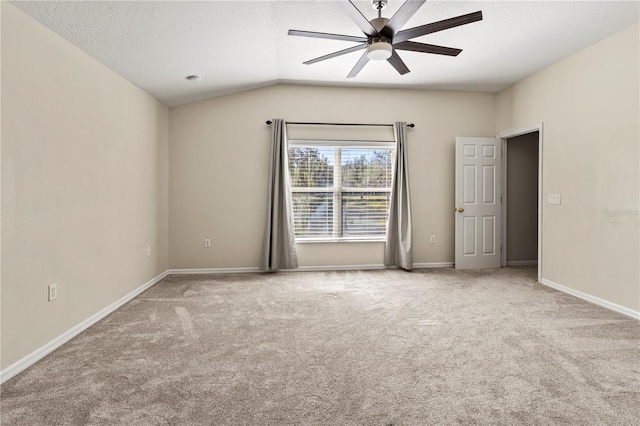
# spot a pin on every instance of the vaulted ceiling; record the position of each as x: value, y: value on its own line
x: 239, y: 45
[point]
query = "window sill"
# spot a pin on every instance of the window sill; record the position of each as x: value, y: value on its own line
x: 339, y: 240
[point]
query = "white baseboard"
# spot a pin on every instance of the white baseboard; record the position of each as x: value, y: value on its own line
x: 309, y: 268
x: 367, y: 267
x: 433, y: 265
x: 240, y: 270
x: 322, y: 268
x: 522, y: 263
x: 592, y: 299
x: 24, y: 363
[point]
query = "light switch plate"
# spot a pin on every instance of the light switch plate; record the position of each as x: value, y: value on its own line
x: 554, y: 198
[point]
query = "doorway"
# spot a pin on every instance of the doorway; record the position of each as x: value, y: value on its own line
x: 522, y: 198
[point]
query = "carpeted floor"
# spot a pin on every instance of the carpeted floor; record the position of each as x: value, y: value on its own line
x: 432, y: 347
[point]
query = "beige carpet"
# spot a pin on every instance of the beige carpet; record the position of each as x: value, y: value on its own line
x: 432, y: 347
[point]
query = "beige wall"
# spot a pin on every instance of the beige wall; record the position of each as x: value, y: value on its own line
x: 589, y: 105
x: 522, y: 198
x: 84, y: 185
x: 219, y: 150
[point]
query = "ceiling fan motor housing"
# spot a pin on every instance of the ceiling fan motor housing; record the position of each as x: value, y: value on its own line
x: 379, y: 23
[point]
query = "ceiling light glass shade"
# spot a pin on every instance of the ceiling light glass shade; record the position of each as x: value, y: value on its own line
x: 379, y: 51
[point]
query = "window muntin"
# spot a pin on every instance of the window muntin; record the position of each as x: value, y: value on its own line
x: 340, y: 191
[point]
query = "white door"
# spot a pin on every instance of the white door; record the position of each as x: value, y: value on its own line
x: 477, y: 208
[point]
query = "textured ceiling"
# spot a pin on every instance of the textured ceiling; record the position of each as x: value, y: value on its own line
x: 238, y: 45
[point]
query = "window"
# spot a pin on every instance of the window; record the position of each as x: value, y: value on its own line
x: 340, y: 190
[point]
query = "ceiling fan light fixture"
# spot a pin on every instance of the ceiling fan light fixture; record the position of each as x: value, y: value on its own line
x: 379, y: 51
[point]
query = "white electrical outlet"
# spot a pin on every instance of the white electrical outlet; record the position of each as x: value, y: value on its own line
x: 53, y: 292
x: 554, y: 199
x: 207, y: 243
x: 432, y: 239
x: 148, y: 251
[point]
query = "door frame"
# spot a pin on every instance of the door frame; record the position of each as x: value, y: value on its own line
x: 504, y: 136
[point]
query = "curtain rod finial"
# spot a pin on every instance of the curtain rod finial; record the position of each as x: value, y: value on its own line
x: 269, y: 121
x: 411, y: 125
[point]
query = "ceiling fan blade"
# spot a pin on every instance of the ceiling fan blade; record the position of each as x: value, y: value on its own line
x: 397, y: 63
x: 335, y: 54
x: 357, y: 17
x: 327, y: 35
x: 437, y: 26
x: 397, y: 21
x: 427, y: 48
x: 359, y: 65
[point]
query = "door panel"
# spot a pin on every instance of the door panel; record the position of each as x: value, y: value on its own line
x: 477, y: 203
x: 469, y: 236
x: 488, y: 231
x: 488, y: 185
x: 469, y: 184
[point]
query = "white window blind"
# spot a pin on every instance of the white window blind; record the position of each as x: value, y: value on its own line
x: 340, y: 189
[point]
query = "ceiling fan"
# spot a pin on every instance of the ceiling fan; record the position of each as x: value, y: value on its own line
x: 384, y: 37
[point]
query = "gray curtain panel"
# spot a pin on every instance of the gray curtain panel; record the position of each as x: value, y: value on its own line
x: 398, y: 250
x: 279, y: 249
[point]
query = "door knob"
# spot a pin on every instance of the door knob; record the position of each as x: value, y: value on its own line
x: 459, y: 209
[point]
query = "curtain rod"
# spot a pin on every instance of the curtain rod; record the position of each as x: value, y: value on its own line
x: 340, y: 124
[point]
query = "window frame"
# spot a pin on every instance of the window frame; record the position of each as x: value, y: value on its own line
x: 337, y: 189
